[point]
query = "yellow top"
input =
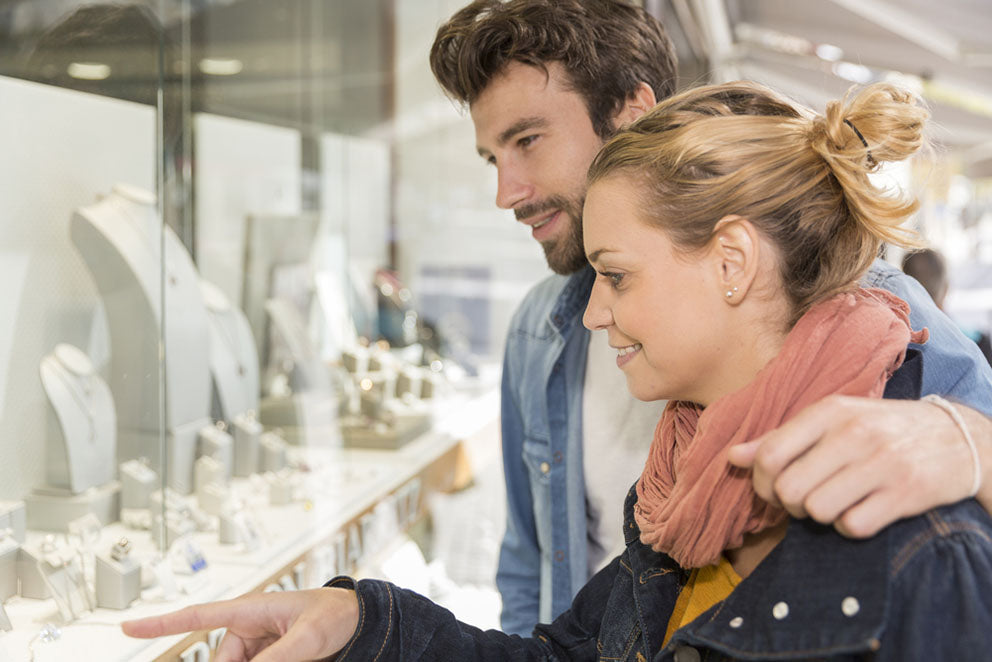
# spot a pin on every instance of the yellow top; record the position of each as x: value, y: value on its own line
x: 706, y: 587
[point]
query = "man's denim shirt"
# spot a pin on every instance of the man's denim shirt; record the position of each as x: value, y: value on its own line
x: 543, y: 559
x: 919, y: 591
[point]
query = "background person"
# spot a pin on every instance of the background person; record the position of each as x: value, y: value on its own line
x: 753, y: 221
x: 929, y: 268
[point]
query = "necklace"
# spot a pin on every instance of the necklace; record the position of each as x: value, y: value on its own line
x: 219, y: 309
x: 136, y: 211
x: 74, y: 370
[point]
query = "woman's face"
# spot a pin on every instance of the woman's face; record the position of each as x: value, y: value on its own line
x: 661, y: 308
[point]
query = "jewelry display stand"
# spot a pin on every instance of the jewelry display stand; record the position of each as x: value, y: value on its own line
x: 273, y: 455
x: 138, y: 481
x: 51, y: 508
x: 233, y: 356
x: 29, y: 576
x: 81, y: 445
x: 117, y: 577
x: 247, y: 432
x: 133, y: 257
x: 208, y: 470
x: 13, y: 517
x: 8, y: 566
x: 62, y: 572
x: 216, y: 443
x: 305, y: 411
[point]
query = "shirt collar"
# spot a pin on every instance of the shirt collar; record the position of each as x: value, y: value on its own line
x: 572, y: 301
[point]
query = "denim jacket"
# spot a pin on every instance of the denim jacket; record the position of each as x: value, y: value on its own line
x: 920, y: 590
x: 543, y: 558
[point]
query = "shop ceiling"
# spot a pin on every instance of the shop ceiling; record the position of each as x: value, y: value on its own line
x: 328, y: 64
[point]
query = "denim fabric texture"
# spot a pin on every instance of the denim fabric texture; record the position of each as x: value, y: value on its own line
x: 543, y: 558
x: 920, y: 591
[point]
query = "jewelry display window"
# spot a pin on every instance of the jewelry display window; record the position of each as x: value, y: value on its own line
x: 213, y: 376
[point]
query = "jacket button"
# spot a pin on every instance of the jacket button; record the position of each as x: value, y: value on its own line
x: 780, y: 611
x: 559, y: 555
x: 736, y: 622
x: 850, y: 606
x: 686, y: 654
x: 545, y: 467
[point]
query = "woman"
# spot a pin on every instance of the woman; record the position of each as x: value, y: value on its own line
x: 729, y: 230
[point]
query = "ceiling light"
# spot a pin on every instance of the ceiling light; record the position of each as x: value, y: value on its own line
x: 829, y: 52
x: 855, y: 73
x: 219, y: 66
x: 88, y: 70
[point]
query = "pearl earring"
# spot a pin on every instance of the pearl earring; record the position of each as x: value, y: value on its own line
x: 731, y: 293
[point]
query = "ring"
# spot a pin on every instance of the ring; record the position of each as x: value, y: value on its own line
x: 120, y: 549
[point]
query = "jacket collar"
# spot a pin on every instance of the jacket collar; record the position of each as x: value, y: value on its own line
x: 817, y: 593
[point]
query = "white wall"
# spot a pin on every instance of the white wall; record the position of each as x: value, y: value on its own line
x: 62, y: 149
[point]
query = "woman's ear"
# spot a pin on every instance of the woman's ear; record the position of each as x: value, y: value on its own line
x: 640, y: 102
x: 735, y: 249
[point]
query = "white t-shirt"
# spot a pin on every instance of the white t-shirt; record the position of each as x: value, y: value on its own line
x: 617, y: 430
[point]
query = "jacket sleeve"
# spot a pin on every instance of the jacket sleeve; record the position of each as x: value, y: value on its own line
x: 518, y: 576
x: 955, y: 366
x: 396, y: 624
x: 941, y: 604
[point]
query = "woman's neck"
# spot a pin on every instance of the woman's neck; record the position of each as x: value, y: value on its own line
x: 756, y: 547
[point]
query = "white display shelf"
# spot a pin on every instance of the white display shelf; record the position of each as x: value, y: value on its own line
x: 333, y: 502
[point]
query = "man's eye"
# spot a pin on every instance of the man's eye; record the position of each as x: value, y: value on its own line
x: 526, y: 141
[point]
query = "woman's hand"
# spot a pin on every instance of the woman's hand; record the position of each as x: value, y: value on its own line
x: 265, y: 627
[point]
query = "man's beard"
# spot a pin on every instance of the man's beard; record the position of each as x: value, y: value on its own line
x: 565, y: 254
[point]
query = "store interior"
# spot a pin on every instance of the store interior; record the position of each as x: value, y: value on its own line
x: 257, y: 288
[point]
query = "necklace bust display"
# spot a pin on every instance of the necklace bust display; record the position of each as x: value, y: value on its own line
x: 233, y: 357
x: 158, y: 326
x: 82, y: 442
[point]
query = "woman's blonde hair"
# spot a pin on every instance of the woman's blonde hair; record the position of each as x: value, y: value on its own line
x: 800, y: 178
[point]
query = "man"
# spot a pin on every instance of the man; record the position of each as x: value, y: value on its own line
x: 546, y: 83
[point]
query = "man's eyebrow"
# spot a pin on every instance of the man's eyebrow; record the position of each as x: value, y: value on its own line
x: 521, y: 125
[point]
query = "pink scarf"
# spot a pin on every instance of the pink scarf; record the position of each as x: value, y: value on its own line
x: 691, y: 503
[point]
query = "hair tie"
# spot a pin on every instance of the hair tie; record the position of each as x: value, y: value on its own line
x: 871, y: 160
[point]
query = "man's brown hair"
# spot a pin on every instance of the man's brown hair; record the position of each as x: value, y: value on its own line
x: 607, y: 48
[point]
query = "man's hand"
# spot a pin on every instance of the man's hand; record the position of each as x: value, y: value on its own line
x: 862, y: 463
x: 265, y: 627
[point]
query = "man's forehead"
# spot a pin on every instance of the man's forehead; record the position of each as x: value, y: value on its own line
x: 521, y: 97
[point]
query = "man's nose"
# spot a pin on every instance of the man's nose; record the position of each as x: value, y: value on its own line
x: 512, y: 187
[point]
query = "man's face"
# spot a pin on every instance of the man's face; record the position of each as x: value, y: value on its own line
x: 539, y: 136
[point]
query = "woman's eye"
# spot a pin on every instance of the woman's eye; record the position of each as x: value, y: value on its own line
x: 614, y: 277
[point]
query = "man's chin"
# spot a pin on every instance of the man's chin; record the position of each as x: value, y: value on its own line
x: 563, y: 262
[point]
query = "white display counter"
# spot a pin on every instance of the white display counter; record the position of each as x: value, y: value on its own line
x: 347, y: 505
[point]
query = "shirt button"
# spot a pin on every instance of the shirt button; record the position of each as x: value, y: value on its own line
x: 736, y: 622
x: 850, y: 606
x: 686, y: 654
x: 558, y: 457
x: 559, y: 555
x: 545, y: 467
x: 780, y: 611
